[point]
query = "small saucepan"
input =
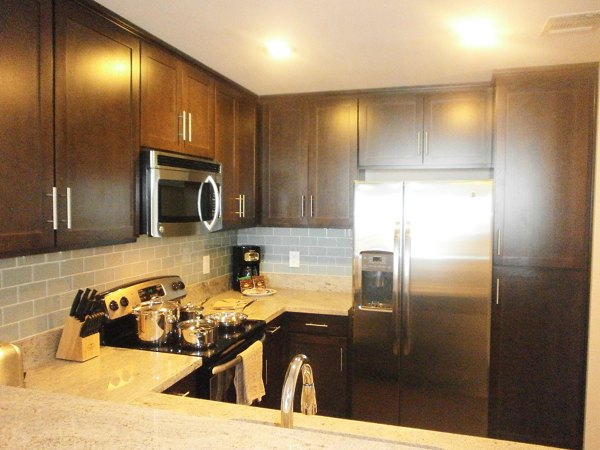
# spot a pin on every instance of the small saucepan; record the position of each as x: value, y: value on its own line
x: 230, y: 319
x: 197, y: 333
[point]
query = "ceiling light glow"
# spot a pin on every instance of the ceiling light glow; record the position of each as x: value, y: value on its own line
x: 278, y: 49
x: 477, y: 33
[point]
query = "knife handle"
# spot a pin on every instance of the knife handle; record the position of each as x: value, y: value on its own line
x: 75, y: 304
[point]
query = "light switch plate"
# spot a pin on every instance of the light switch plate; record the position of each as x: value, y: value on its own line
x: 206, y: 264
x: 294, y: 259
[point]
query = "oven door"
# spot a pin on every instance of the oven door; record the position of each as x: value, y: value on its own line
x: 182, y: 202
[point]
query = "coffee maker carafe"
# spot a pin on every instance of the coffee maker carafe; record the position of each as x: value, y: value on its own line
x: 377, y: 278
x: 246, y: 263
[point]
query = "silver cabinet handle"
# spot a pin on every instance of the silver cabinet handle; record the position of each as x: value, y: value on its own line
x: 499, y: 243
x: 69, y: 209
x: 302, y: 206
x: 273, y: 330
x: 341, y: 359
x: 266, y: 372
x: 419, y: 143
x: 183, y: 134
x: 243, y: 205
x: 239, y: 212
x: 54, y: 220
x: 426, y: 143
x: 498, y: 291
x: 311, y: 206
x: 189, y: 126
x: 319, y: 325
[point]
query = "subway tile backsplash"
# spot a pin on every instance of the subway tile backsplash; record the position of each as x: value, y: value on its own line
x: 323, y: 251
x: 36, y: 291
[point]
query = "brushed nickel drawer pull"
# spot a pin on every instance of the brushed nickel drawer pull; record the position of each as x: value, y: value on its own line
x: 319, y: 325
x: 273, y: 330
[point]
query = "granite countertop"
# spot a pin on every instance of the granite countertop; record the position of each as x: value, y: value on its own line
x: 114, y: 401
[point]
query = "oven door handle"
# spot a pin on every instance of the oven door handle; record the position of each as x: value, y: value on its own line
x: 234, y: 362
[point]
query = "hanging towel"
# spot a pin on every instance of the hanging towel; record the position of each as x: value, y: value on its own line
x: 248, y: 375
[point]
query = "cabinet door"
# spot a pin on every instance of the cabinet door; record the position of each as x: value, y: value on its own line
x: 225, y: 142
x: 390, y: 130
x: 274, y: 363
x: 458, y: 129
x: 246, y: 158
x: 199, y: 105
x: 161, y: 121
x: 545, y: 126
x: 26, y: 170
x: 332, y: 162
x: 284, y: 163
x: 327, y: 357
x: 97, y: 113
x: 538, y: 353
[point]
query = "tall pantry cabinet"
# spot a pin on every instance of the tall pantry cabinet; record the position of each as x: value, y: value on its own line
x: 544, y: 142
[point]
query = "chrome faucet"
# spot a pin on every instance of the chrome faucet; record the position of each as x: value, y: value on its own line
x: 308, y: 399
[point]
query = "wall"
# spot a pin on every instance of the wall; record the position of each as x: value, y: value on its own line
x: 322, y: 251
x: 592, y: 409
x: 36, y: 291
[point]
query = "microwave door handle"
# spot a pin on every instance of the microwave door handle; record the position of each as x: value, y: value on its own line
x: 212, y: 182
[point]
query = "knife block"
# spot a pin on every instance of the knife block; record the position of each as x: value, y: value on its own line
x: 75, y: 348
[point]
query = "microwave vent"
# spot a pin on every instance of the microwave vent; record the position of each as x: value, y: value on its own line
x: 185, y: 163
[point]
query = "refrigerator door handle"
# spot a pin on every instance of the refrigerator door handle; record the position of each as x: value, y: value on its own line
x: 396, y: 287
x: 405, y: 292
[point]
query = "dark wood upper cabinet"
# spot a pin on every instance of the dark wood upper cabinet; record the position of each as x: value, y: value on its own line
x: 284, y: 162
x: 235, y: 136
x: 161, y: 121
x: 26, y: 170
x: 537, y: 372
x: 389, y: 130
x: 545, y: 127
x: 308, y: 161
x: 177, y: 99
x: 442, y: 129
x: 332, y: 166
x: 96, y: 127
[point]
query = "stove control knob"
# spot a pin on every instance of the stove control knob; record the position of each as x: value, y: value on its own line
x: 113, y: 305
x: 181, y: 285
x: 175, y: 285
x: 124, y: 301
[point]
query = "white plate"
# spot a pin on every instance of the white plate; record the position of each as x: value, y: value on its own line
x: 259, y: 292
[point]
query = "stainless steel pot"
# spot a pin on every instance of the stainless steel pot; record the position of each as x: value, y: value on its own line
x: 228, y: 319
x: 156, y: 321
x: 190, y: 312
x: 197, y: 333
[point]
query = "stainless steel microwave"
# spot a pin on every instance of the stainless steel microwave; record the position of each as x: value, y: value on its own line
x: 181, y: 194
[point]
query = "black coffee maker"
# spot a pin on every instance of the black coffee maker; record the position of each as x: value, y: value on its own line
x: 246, y: 263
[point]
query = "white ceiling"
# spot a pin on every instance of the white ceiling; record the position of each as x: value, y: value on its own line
x: 359, y: 44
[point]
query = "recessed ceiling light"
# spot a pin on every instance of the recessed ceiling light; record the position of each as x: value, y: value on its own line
x: 477, y: 33
x: 278, y: 49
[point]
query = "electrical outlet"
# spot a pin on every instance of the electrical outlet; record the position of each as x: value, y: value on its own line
x: 206, y: 264
x: 294, y: 259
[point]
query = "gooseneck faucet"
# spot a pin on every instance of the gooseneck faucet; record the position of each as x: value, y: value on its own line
x: 308, y: 399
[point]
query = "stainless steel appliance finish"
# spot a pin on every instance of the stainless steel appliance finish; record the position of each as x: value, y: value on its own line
x: 421, y: 328
x: 11, y: 366
x: 181, y: 194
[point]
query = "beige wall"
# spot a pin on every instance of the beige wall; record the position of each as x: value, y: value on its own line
x: 592, y: 410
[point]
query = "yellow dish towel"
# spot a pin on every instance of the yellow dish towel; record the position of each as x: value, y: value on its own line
x: 248, y: 375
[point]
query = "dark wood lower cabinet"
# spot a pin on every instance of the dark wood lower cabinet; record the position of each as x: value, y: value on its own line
x: 273, y: 363
x: 537, y: 373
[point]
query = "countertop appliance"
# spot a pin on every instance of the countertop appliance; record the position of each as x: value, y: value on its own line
x: 181, y: 194
x: 421, y: 309
x: 246, y: 263
x: 214, y: 379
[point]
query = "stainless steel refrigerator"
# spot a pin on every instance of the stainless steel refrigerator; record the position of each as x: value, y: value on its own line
x: 421, y: 317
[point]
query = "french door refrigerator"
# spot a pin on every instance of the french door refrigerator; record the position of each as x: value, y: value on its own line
x: 421, y: 316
